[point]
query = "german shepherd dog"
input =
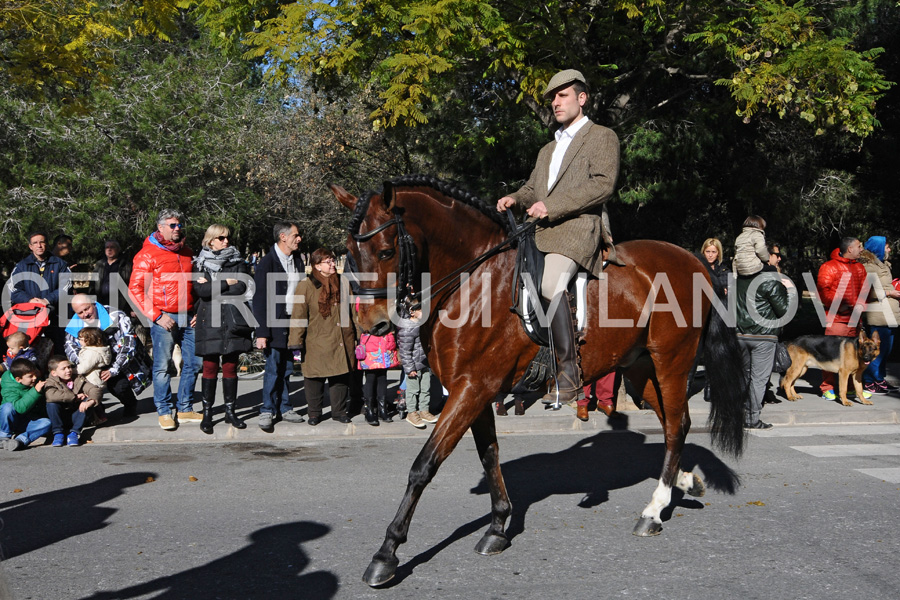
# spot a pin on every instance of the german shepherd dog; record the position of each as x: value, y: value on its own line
x: 845, y: 356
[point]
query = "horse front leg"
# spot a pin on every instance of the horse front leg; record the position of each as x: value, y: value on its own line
x: 495, y: 539
x: 446, y: 435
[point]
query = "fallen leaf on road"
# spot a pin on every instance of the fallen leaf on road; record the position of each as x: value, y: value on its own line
x: 17, y: 491
x: 192, y: 478
x: 757, y: 503
x: 150, y: 480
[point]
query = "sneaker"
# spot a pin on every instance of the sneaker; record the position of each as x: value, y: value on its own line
x: 890, y: 387
x: 758, y: 425
x: 291, y: 417
x: 189, y: 417
x: 852, y: 394
x: 883, y: 387
x: 829, y: 395
x: 58, y: 440
x: 266, y: 421
x: 874, y: 388
x: 415, y: 420
x: 72, y: 440
x: 427, y: 416
x: 13, y: 444
x: 167, y: 422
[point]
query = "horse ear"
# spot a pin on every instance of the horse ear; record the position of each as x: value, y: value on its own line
x: 387, y: 195
x: 343, y: 196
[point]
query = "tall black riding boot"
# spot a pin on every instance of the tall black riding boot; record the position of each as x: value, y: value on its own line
x: 371, y: 411
x: 208, y: 387
x: 383, y: 413
x: 229, y: 391
x: 568, y: 377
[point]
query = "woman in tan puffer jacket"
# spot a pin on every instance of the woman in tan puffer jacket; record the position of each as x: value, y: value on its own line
x: 883, y: 312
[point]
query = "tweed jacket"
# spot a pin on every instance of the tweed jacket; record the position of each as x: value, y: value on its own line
x: 576, y: 202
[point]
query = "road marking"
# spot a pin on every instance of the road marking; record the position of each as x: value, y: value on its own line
x: 844, y: 450
x: 811, y: 430
x: 889, y: 475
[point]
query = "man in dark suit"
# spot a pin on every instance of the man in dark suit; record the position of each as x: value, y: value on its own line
x: 276, y: 278
x: 573, y: 178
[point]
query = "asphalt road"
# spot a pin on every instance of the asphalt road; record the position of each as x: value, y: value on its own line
x: 807, y: 513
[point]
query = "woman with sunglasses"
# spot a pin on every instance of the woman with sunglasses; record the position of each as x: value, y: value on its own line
x: 222, y: 331
x: 321, y: 327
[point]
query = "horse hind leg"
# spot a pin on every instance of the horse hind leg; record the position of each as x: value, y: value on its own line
x: 676, y: 423
x: 650, y: 522
x: 495, y: 539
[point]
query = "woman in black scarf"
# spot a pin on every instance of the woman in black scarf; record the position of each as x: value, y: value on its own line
x: 222, y: 284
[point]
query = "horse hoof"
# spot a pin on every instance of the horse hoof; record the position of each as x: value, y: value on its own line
x: 698, y: 489
x: 491, y: 544
x: 646, y: 527
x: 380, y: 572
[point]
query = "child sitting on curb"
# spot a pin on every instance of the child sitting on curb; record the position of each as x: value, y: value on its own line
x: 68, y: 400
x: 22, y: 409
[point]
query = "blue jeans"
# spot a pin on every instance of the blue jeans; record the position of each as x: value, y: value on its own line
x: 276, y: 381
x: 25, y: 428
x: 62, y: 415
x: 877, y: 368
x: 163, y: 344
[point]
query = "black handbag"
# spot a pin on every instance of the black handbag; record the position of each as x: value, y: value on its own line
x: 782, y: 358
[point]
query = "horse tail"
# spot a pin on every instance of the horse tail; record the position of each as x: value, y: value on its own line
x: 727, y: 382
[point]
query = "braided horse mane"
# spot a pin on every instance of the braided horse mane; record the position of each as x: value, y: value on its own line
x: 448, y: 189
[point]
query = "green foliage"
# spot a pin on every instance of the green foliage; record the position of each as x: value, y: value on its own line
x: 184, y: 127
x: 60, y: 48
x: 788, y: 64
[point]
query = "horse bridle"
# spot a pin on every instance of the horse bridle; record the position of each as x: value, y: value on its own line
x: 407, y: 265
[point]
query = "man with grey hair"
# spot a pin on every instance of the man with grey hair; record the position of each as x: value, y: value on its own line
x: 162, y: 290
x: 567, y: 192
x: 276, y: 278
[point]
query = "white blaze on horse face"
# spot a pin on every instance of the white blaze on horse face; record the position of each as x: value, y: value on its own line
x: 662, y: 496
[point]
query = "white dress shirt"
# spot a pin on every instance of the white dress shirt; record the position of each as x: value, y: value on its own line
x: 563, y: 139
x: 287, y: 261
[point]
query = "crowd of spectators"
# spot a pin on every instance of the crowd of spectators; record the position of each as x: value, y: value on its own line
x: 115, y: 328
x: 117, y: 331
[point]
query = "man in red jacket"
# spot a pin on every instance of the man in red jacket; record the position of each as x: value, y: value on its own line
x: 161, y: 289
x: 840, y: 282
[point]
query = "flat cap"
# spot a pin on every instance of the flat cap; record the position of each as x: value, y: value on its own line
x: 563, y: 78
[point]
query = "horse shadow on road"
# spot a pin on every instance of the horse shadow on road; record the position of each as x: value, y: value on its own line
x: 592, y: 467
x: 272, y: 565
x: 34, y: 521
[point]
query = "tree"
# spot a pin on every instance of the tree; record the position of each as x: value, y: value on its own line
x: 770, y: 54
x: 60, y: 48
x: 181, y: 125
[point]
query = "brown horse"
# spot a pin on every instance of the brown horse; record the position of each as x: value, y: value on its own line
x: 477, y: 347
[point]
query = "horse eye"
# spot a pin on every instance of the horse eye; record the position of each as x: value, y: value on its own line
x: 386, y: 254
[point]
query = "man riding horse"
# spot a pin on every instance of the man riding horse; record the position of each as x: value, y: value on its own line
x: 573, y: 178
